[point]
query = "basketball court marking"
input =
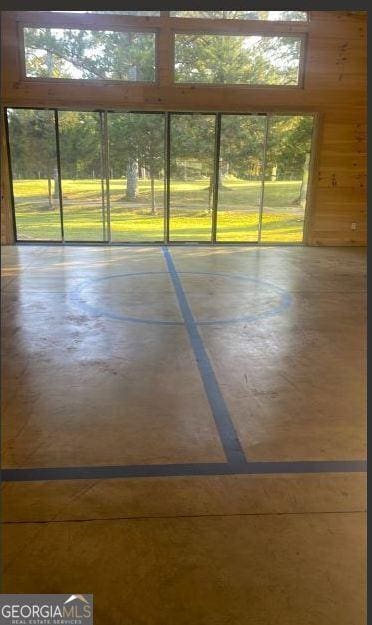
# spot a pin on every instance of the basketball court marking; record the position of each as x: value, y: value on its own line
x: 237, y: 463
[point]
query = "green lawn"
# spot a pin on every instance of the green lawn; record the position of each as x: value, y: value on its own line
x: 190, y: 218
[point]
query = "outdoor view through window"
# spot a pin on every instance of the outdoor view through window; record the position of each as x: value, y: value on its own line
x: 114, y: 176
x: 155, y: 176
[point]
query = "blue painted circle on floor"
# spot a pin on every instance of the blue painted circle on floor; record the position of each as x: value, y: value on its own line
x: 284, y: 299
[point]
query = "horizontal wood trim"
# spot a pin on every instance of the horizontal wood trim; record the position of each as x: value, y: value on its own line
x: 105, y: 22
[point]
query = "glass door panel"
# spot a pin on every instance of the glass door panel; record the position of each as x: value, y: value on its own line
x: 136, y: 166
x: 286, y: 177
x: 192, y: 144
x: 32, y: 141
x: 81, y: 150
x: 242, y: 148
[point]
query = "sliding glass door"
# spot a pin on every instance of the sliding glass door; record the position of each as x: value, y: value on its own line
x: 191, y: 186
x: 33, y: 152
x: 159, y: 177
x: 286, y: 178
x: 136, y: 176
x: 240, y: 181
x: 82, y: 177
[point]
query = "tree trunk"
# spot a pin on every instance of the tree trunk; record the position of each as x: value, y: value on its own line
x: 301, y: 199
x: 221, y: 173
x: 132, y: 181
x: 55, y: 179
x: 211, y: 185
x: 210, y: 192
x: 305, y: 177
x: 152, y: 186
x: 50, y: 202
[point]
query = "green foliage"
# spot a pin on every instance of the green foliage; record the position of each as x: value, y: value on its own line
x: 192, y: 145
x: 242, y: 145
x: 80, y: 144
x: 89, y: 54
x: 32, y: 139
x: 139, y: 137
x: 289, y: 140
x: 234, y: 59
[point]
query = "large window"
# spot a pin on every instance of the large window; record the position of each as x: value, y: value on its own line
x: 71, y: 48
x: 89, y: 54
x: 155, y: 177
x: 235, y: 59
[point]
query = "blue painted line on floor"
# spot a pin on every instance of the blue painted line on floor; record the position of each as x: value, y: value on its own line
x: 229, y: 439
x: 182, y: 470
x: 76, y: 296
x: 284, y: 302
x: 237, y: 463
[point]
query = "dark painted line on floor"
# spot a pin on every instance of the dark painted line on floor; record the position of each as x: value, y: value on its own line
x: 181, y: 470
x: 229, y: 438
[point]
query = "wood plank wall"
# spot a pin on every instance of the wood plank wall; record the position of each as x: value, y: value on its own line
x: 334, y: 87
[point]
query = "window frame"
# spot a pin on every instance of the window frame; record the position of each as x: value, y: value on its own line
x: 88, y: 81
x: 164, y: 27
x: 167, y: 14
x: 217, y: 112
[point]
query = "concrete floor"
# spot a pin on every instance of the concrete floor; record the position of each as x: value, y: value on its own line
x: 183, y: 432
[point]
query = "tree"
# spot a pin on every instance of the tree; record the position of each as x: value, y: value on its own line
x: 192, y: 143
x: 231, y: 59
x: 92, y: 54
x: 289, y: 141
x: 137, y: 142
x: 242, y: 144
x: 34, y: 150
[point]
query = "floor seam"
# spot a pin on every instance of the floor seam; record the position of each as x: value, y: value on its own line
x: 183, y: 516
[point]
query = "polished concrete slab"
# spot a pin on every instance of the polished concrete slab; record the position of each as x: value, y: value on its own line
x: 105, y: 363
x: 294, y: 381
x: 285, y: 569
x: 84, y: 400
x: 284, y: 329
x: 79, y: 500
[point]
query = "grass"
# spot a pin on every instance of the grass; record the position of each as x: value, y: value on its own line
x: 132, y: 221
